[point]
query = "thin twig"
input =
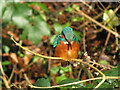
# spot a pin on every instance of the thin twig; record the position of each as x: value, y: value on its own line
x: 90, y: 7
x: 27, y: 79
x: 78, y: 77
x: 103, y: 80
x: 106, y: 42
x: 43, y: 56
x: 11, y: 75
x: 84, y: 45
x: 5, y: 81
x: 96, y: 17
x: 91, y: 19
x: 3, y: 77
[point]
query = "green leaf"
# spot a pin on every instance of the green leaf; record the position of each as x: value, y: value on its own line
x: 105, y: 16
x: 60, y: 78
x: 6, y: 49
x: 76, y: 6
x: 39, y: 29
x: 90, y: 86
x: 22, y: 9
x: 60, y: 13
x: 106, y: 85
x: 6, y: 63
x: 64, y: 69
x: 2, y: 7
x: 20, y: 54
x: 36, y: 59
x: 66, y: 25
x: 76, y: 19
x: 20, y: 15
x: 69, y: 9
x: 43, y: 6
x: 113, y: 72
x: 103, y: 62
x: 57, y: 27
x: 66, y: 81
x: 42, y: 83
x: 20, y: 21
x: 77, y: 34
x: 54, y: 70
x: 52, y: 39
x: 7, y: 16
x: 24, y: 34
x: 110, y: 17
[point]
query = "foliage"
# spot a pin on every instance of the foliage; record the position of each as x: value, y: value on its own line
x: 36, y: 24
x: 42, y: 83
x: 110, y: 17
x: 33, y: 26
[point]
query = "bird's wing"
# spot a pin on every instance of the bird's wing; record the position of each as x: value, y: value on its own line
x: 56, y: 41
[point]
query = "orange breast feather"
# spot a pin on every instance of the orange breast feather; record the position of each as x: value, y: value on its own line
x: 63, y: 51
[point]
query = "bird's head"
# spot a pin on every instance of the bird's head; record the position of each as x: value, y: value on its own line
x: 68, y: 33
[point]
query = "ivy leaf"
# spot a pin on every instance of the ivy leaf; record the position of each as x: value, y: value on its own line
x: 110, y: 17
x: 52, y: 39
x: 77, y: 34
x: 113, y: 72
x: 24, y: 34
x: 6, y: 49
x: 6, y: 63
x: 20, y: 15
x: 57, y: 27
x: 22, y: 9
x: 54, y: 70
x: 39, y: 29
x: 7, y: 15
x: 42, y: 83
x: 66, y: 25
x: 43, y: 6
x: 60, y: 78
x: 20, y: 21
x: 66, y: 81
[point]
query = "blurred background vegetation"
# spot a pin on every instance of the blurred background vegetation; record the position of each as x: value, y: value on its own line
x: 35, y: 25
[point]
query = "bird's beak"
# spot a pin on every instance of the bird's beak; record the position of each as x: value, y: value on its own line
x: 70, y: 45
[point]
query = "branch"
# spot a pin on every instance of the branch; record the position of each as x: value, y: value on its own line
x: 107, y: 77
x: 43, y: 56
x: 48, y: 57
x: 77, y: 60
x: 91, y: 19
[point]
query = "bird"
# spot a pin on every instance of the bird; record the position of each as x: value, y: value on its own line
x: 66, y: 44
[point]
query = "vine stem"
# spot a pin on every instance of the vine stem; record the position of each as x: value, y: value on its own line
x: 107, y: 77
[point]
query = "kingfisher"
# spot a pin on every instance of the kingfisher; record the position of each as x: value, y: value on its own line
x: 66, y: 44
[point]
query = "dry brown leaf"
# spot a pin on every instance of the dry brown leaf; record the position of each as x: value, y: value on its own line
x: 13, y: 58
